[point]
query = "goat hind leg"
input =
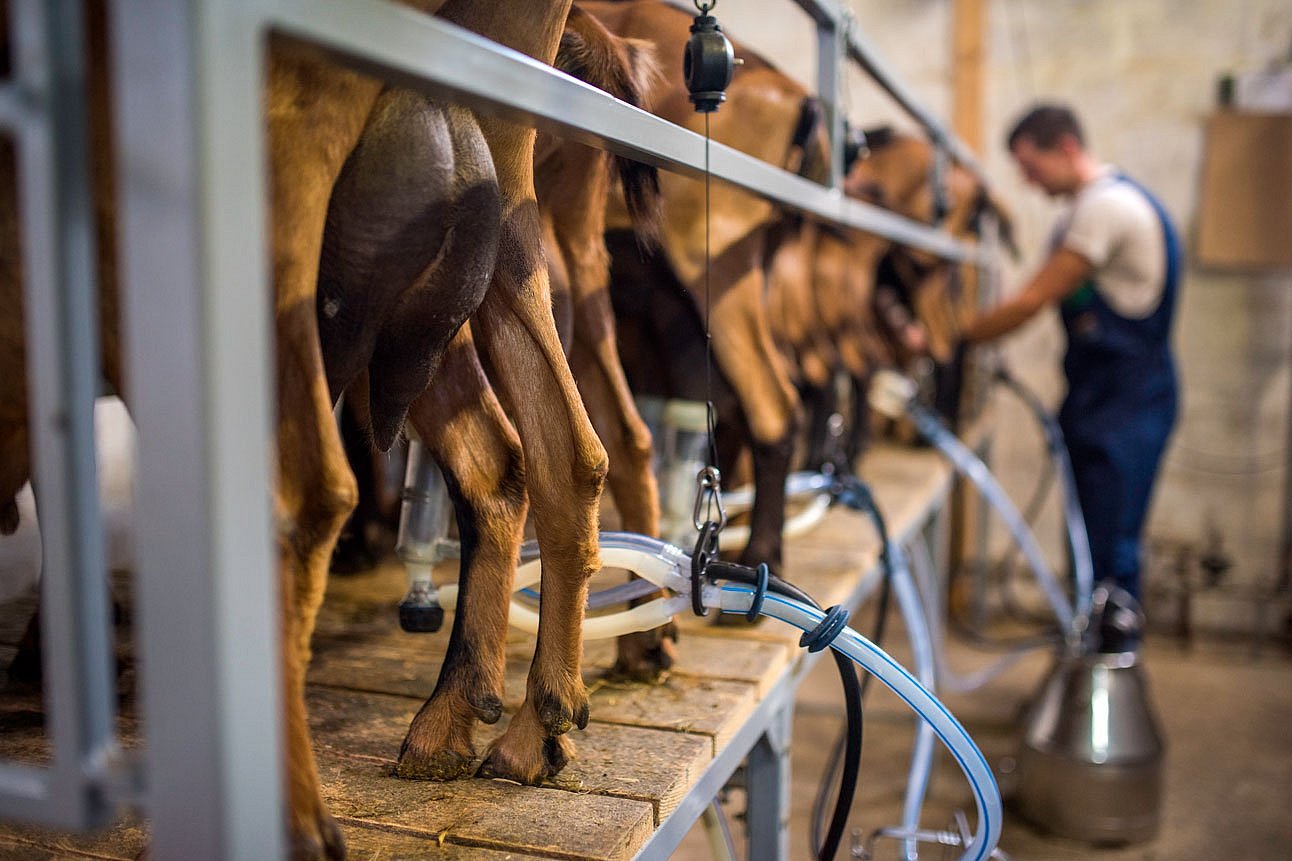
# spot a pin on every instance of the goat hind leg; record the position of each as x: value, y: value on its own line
x: 743, y: 348
x: 316, y: 493
x: 565, y: 467
x: 642, y: 655
x: 463, y: 426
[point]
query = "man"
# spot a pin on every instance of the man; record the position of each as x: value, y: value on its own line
x: 1113, y: 269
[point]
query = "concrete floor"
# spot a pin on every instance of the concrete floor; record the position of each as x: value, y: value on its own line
x: 1225, y: 713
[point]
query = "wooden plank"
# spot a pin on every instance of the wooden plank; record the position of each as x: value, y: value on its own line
x: 126, y: 842
x: 366, y: 843
x: 906, y: 483
x: 711, y: 707
x: 13, y: 849
x: 702, y: 705
x: 709, y: 655
x: 645, y: 749
x: 627, y: 762
x: 381, y: 668
x: 362, y: 605
x: 492, y: 814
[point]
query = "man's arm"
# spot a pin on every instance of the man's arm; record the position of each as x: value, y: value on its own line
x: 1061, y: 275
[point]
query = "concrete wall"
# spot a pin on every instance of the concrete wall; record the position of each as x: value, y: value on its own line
x: 1142, y: 74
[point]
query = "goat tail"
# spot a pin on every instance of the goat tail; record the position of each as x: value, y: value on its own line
x: 628, y: 70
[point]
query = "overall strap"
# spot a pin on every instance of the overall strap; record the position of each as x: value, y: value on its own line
x: 1172, y: 246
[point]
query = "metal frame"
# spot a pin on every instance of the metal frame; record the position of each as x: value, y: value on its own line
x: 763, y: 741
x: 833, y: 17
x: 44, y: 108
x: 437, y: 57
x: 198, y: 347
x: 189, y: 79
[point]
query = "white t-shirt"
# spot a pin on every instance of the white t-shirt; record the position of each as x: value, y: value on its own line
x: 1114, y: 227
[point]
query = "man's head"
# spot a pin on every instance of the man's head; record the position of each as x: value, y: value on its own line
x: 1050, y: 150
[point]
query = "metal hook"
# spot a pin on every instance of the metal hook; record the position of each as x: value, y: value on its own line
x: 709, y: 492
x: 705, y: 7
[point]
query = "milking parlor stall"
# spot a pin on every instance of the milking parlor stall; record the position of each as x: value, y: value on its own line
x: 638, y: 430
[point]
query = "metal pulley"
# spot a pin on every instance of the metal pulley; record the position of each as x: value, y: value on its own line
x: 708, y: 62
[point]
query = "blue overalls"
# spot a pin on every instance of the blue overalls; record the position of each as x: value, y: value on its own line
x: 1120, y: 408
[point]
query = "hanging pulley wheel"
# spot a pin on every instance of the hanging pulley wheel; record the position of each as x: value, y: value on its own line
x: 708, y: 62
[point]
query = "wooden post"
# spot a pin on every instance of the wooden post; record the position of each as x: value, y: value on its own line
x: 968, y: 37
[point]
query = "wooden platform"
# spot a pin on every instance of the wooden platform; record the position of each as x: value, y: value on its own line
x: 647, y: 751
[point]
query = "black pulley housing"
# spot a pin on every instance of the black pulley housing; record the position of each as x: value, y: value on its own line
x: 707, y: 64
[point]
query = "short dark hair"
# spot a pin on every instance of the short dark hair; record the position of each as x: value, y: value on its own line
x: 1043, y: 125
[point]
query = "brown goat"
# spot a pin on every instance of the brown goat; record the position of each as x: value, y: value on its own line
x: 861, y: 324
x: 772, y: 118
x: 470, y: 436
x: 316, y: 114
x: 574, y: 184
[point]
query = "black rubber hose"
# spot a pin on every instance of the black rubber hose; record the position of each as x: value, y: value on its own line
x: 853, y: 690
x: 881, y: 615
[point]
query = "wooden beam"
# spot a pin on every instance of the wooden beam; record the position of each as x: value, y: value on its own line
x: 968, y: 39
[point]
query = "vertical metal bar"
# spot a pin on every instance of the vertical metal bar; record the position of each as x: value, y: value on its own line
x: 938, y: 531
x: 767, y: 787
x: 982, y: 563
x: 830, y: 70
x: 197, y: 335
x: 63, y: 366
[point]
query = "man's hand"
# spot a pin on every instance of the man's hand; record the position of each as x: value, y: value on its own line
x: 910, y: 334
x: 1061, y: 276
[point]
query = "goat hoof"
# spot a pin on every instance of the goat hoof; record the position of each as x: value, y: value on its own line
x: 488, y: 708
x: 439, y: 765
x: 556, y: 753
x: 496, y: 767
x: 558, y: 718
x: 320, y: 840
x: 646, y: 656
x: 733, y: 620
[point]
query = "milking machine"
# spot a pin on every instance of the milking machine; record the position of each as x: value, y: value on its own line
x: 729, y: 588
x: 680, y: 435
x: 423, y: 539
x: 1090, y: 765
